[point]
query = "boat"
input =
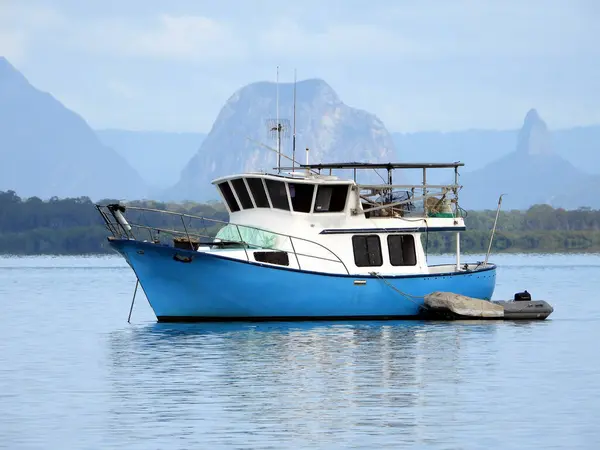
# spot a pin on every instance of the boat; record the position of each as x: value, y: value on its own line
x: 302, y: 243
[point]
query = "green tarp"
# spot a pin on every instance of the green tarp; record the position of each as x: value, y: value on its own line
x: 249, y: 235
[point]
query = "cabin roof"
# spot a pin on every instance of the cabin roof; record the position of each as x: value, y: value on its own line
x: 296, y: 178
x: 388, y: 165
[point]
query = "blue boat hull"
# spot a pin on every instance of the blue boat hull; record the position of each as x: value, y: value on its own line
x: 184, y: 285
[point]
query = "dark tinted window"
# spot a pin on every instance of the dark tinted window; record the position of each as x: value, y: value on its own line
x: 228, y: 195
x: 242, y: 193
x: 367, y: 250
x: 402, y: 250
x: 278, y: 194
x: 258, y: 192
x: 280, y: 258
x: 301, y: 195
x: 331, y: 198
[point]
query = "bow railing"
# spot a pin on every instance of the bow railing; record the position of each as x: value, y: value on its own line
x: 189, y: 231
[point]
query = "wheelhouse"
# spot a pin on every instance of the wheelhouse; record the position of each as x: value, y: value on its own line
x: 312, y: 192
x: 297, y: 195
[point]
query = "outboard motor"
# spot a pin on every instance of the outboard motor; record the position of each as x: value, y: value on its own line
x: 522, y: 296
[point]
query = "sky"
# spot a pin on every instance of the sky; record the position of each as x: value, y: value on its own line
x: 419, y: 65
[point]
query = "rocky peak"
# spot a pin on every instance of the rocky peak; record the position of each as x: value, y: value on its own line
x: 331, y: 130
x: 534, y: 137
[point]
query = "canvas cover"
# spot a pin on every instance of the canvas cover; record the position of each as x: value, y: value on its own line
x: 252, y: 236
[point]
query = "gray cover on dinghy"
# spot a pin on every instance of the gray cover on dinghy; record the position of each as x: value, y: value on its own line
x: 462, y: 305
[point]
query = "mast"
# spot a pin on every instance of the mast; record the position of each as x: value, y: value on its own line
x: 294, y: 136
x: 278, y: 125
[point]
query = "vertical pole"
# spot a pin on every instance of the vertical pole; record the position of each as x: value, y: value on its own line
x: 456, y: 190
x: 278, y: 128
x: 457, y: 251
x: 390, y: 184
x: 425, y: 190
x: 242, y: 242
x: 296, y: 254
x: 294, y: 137
x: 307, y: 169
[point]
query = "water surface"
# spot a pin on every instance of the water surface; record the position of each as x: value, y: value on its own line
x: 74, y: 374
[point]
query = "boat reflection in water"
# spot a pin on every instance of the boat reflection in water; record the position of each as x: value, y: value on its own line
x: 302, y: 383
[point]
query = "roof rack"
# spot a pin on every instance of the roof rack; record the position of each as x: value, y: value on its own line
x: 388, y: 165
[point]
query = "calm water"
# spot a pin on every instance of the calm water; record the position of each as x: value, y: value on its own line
x: 74, y: 374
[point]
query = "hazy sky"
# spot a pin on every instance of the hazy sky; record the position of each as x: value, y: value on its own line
x: 416, y: 64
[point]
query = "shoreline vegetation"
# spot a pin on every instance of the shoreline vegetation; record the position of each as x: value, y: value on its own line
x: 72, y: 226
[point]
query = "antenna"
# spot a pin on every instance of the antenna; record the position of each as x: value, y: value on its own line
x: 294, y: 137
x: 285, y: 156
x: 278, y: 128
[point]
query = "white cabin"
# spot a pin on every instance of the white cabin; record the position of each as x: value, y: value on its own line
x: 322, y: 223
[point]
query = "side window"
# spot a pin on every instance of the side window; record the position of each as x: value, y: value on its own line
x: 258, y: 192
x: 402, y: 250
x: 301, y: 194
x: 367, y: 250
x: 280, y: 258
x: 331, y: 198
x: 228, y: 196
x: 242, y: 193
x: 278, y: 194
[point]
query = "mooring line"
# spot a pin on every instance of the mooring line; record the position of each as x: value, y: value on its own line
x: 137, y: 281
x: 404, y: 294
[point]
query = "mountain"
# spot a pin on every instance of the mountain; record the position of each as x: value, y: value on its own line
x: 331, y: 130
x: 580, y: 146
x: 48, y: 150
x: 477, y: 148
x: 158, y: 156
x: 532, y: 173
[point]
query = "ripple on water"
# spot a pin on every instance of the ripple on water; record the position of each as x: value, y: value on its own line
x: 73, y: 374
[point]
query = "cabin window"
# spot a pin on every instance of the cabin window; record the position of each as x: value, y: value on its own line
x: 258, y: 192
x: 402, y: 250
x: 242, y: 193
x: 228, y: 196
x: 280, y: 258
x: 278, y: 194
x: 331, y: 198
x: 367, y: 250
x: 301, y: 194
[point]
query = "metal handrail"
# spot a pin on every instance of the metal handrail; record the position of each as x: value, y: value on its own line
x: 118, y: 231
x: 408, y: 186
x: 428, y: 191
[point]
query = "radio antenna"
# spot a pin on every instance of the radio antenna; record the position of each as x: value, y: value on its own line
x: 294, y: 135
x: 278, y: 128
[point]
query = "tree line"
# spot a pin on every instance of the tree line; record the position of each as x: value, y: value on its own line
x: 73, y: 226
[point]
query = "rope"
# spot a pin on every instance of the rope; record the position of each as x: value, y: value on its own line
x: 404, y: 294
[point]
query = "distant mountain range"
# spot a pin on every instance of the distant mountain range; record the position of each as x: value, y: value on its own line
x: 48, y: 150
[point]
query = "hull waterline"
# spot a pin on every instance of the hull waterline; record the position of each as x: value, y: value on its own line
x: 191, y: 286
